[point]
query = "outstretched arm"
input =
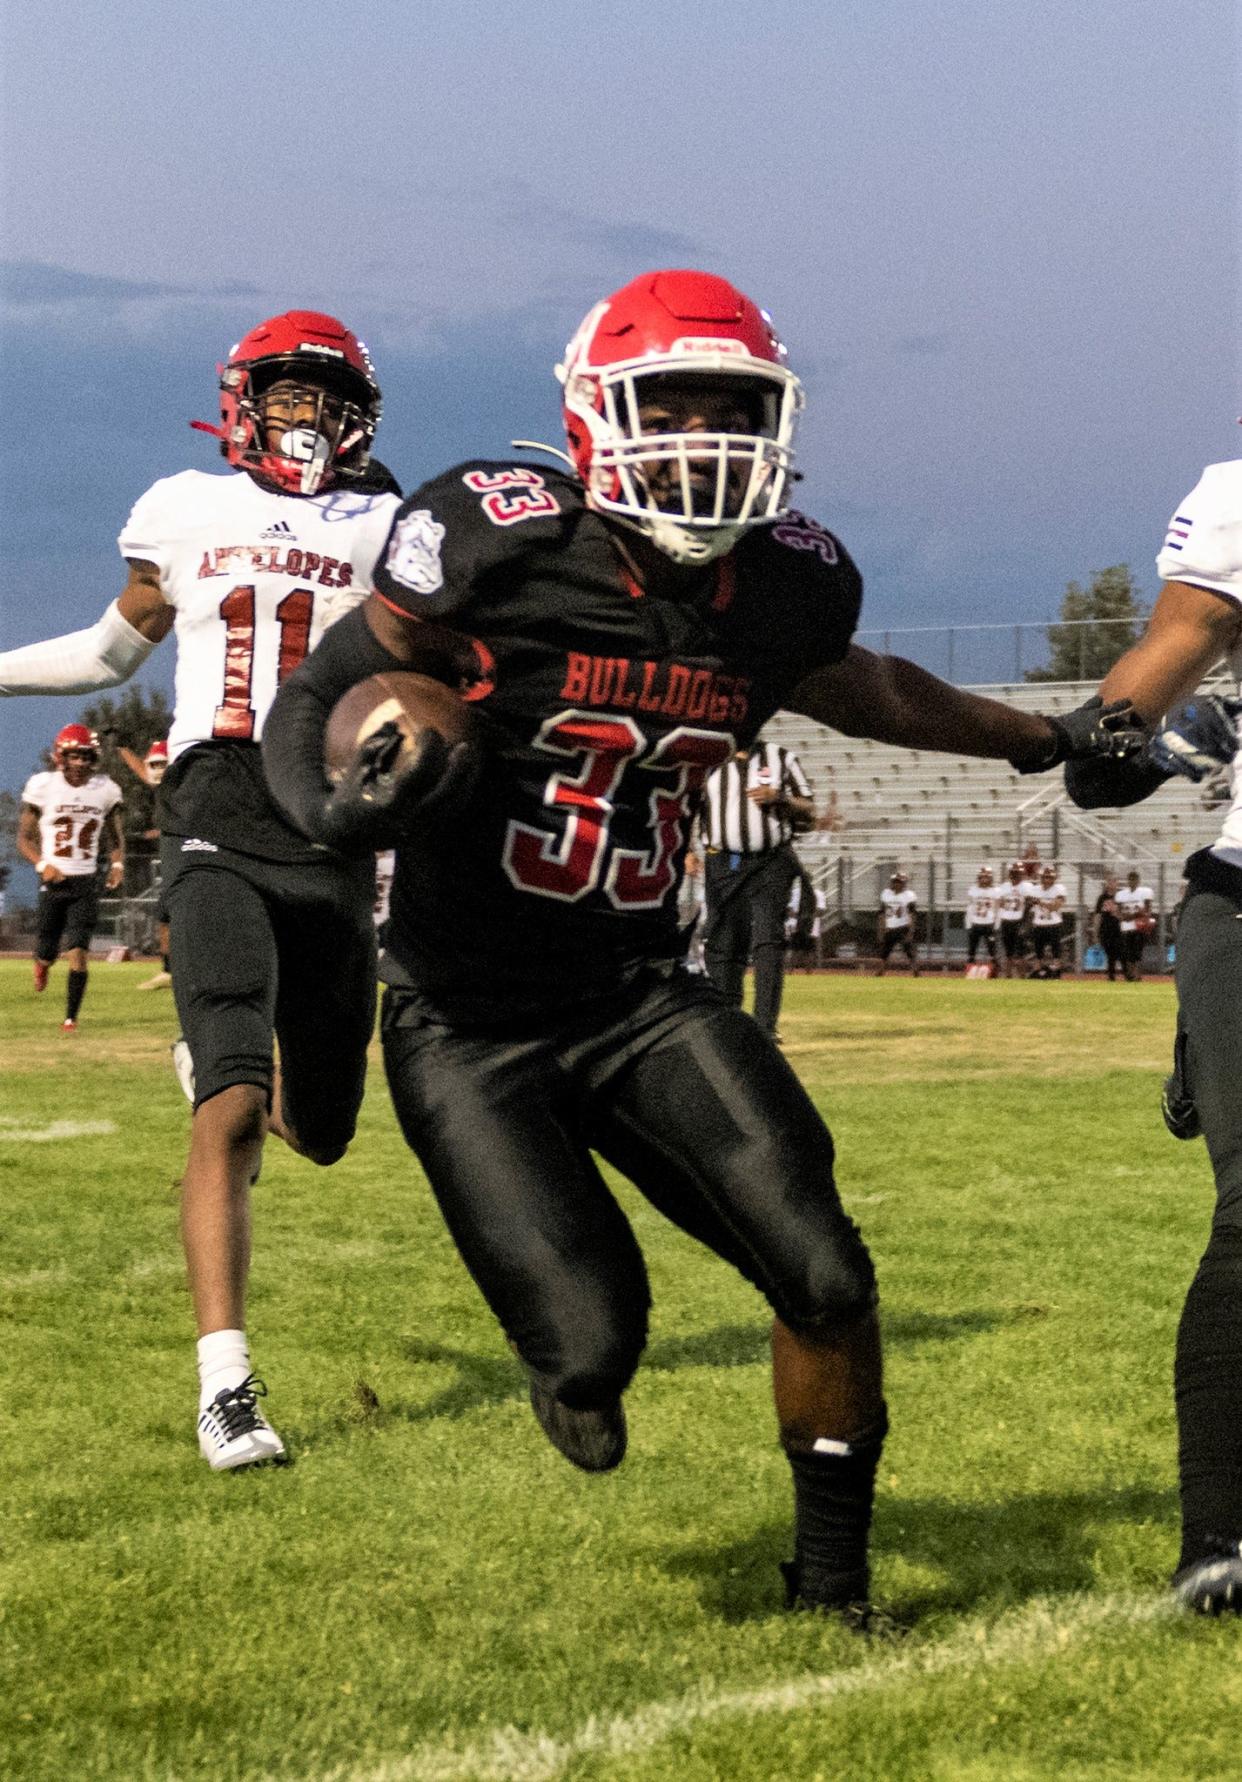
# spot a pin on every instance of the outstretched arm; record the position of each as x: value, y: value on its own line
x: 894, y: 701
x: 1189, y: 631
x: 105, y: 653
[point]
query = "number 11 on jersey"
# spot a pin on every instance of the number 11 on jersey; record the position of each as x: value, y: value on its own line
x: 234, y: 717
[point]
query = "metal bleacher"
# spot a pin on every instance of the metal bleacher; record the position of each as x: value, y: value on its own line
x: 913, y: 807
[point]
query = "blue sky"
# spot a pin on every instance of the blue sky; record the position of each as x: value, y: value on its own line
x: 1001, y: 241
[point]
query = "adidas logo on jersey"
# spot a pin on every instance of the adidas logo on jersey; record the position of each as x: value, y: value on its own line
x: 279, y: 529
x: 195, y: 846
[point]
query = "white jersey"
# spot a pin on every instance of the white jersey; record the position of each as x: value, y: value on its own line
x: 1203, y: 546
x: 1011, y: 899
x: 256, y: 579
x: 71, y: 819
x: 1131, y: 904
x: 982, y: 906
x: 897, y: 906
x: 1048, y: 902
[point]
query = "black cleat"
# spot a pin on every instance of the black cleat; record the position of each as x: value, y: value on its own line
x: 1180, y: 1113
x: 593, y: 1439
x: 846, y: 1601
x: 1212, y: 1584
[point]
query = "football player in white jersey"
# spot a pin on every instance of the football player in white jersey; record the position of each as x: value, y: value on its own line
x: 269, y: 933
x: 1135, y: 902
x: 982, y: 915
x: 895, y: 923
x: 68, y: 817
x: 1013, y: 900
x: 1047, y: 923
x: 1198, y: 620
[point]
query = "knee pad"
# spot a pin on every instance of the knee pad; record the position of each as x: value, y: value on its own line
x: 838, y: 1289
x: 593, y: 1362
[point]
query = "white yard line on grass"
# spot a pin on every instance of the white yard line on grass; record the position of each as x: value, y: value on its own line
x: 1039, y: 1629
x: 13, y: 1133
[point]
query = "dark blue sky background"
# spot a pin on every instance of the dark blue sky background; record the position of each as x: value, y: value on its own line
x: 1000, y: 240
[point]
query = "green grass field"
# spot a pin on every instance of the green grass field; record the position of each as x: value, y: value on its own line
x: 430, y: 1593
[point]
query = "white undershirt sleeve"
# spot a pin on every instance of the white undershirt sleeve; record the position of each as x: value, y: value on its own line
x: 103, y: 655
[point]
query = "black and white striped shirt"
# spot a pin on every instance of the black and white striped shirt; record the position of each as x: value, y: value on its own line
x: 734, y: 822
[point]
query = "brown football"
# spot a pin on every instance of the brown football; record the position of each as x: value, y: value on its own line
x: 413, y: 701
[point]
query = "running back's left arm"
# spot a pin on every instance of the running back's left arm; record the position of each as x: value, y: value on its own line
x: 894, y: 701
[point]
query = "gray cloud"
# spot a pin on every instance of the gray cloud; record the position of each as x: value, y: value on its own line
x: 33, y: 284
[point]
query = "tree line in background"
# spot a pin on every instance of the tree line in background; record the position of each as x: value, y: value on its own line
x: 1098, y: 624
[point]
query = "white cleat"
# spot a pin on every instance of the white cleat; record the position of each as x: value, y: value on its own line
x: 183, y: 1064
x: 233, y: 1432
x: 160, y: 981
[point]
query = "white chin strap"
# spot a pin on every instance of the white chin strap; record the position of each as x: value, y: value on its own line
x: 307, y: 447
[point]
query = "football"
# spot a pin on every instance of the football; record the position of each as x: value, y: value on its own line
x: 412, y: 701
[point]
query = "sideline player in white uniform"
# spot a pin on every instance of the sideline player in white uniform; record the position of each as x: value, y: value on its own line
x: 269, y: 933
x: 68, y: 817
x: 1047, y: 923
x: 982, y: 915
x: 1197, y: 620
x: 898, y: 907
x: 1134, y: 902
x: 1013, y: 902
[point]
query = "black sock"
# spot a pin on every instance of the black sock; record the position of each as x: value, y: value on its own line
x: 75, y: 992
x: 1207, y: 1380
x: 164, y: 962
x: 833, y: 1495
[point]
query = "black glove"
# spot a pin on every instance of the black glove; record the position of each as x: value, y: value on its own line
x: 1089, y: 732
x: 386, y: 797
x: 1197, y: 737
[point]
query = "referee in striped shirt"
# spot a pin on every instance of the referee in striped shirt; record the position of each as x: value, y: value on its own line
x: 752, y: 806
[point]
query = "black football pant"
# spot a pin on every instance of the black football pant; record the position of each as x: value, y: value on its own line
x: 682, y: 1094
x: 746, y: 905
x: 263, y: 947
x: 973, y: 937
x: 67, y: 916
x: 1208, y: 1367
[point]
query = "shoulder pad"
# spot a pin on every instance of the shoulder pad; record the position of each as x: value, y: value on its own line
x: 454, y: 529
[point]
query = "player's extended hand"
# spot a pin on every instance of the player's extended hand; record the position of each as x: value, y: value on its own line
x: 1091, y: 732
x: 116, y: 872
x: 1197, y: 737
x: 51, y: 875
x: 387, y: 792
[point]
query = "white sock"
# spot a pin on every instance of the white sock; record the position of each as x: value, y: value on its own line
x: 223, y: 1362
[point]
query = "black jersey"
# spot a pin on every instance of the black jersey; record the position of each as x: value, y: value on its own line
x: 606, y: 708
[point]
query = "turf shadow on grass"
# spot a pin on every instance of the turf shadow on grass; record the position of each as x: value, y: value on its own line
x: 743, y: 1345
x: 495, y: 1379
x: 1042, y: 1544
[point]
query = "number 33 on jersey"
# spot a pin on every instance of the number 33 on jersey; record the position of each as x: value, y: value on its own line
x: 255, y: 578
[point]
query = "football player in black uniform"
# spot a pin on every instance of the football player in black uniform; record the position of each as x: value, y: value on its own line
x: 623, y: 628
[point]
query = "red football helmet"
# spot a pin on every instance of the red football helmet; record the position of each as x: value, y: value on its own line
x: 156, y: 762
x: 692, y: 492
x: 327, y: 406
x: 76, y: 740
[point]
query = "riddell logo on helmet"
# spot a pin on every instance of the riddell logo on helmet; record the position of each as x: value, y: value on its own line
x: 734, y: 349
